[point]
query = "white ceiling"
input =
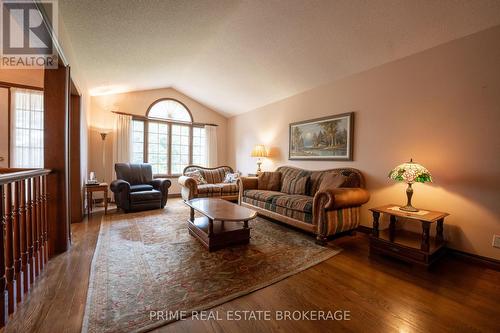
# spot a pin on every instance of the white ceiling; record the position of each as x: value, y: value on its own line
x: 235, y: 56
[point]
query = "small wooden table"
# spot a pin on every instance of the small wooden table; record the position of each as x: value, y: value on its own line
x: 406, y: 245
x: 89, y: 189
x: 223, y: 223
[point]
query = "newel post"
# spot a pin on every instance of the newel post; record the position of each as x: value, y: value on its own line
x: 56, y: 122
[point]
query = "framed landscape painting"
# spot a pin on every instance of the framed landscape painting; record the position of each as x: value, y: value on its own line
x: 329, y: 138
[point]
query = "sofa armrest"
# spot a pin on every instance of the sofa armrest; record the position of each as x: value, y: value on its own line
x: 189, y: 187
x: 119, y: 185
x: 246, y: 183
x: 342, y: 197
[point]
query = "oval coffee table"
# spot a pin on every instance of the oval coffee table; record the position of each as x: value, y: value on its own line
x: 223, y: 223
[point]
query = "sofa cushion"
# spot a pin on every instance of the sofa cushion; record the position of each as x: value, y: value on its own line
x: 298, y: 207
x: 295, y: 184
x: 139, y: 188
x: 354, y: 177
x: 214, y: 176
x: 262, y: 195
x: 301, y: 203
x: 228, y: 188
x: 269, y: 181
x: 331, y: 180
x: 145, y: 196
x: 209, y: 190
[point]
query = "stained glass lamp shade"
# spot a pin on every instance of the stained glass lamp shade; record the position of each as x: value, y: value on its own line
x: 410, y: 173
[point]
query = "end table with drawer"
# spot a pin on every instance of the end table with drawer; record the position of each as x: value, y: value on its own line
x: 90, y: 189
x: 417, y: 248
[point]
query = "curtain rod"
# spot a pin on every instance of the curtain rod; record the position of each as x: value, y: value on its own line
x: 161, y: 120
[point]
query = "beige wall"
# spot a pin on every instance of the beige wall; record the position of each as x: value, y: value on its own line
x: 137, y: 103
x: 440, y: 107
x: 29, y: 77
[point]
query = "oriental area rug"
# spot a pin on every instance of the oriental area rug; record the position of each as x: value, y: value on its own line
x: 148, y: 261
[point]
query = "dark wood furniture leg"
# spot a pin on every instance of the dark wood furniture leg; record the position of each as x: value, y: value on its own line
x: 425, y: 236
x: 105, y: 201
x: 191, y: 215
x: 210, y: 227
x: 376, y: 216
x: 89, y: 202
x: 392, y: 228
x: 439, y: 231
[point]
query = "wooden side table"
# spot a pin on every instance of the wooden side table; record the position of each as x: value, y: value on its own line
x: 406, y: 245
x: 89, y: 189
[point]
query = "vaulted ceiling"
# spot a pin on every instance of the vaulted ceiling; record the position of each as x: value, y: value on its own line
x: 235, y: 56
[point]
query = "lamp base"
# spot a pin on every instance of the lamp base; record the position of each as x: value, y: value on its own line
x: 409, y: 209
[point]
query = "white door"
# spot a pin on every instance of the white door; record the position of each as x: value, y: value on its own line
x: 4, y: 127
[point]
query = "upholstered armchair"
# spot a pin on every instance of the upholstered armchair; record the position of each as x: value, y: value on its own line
x: 135, y: 189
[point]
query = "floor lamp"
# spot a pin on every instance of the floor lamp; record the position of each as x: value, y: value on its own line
x: 104, y: 133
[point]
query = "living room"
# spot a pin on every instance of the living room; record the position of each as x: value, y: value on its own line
x: 251, y: 166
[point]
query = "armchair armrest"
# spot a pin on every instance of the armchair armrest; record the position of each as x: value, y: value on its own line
x: 246, y: 183
x: 342, y: 197
x: 189, y: 187
x: 119, y: 185
x: 162, y: 185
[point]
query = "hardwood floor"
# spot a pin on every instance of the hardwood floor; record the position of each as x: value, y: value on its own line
x: 381, y: 294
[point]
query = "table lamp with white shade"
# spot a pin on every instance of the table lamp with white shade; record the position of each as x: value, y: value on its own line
x: 259, y: 151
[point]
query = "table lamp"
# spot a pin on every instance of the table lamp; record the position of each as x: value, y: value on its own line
x: 410, y: 173
x: 259, y: 151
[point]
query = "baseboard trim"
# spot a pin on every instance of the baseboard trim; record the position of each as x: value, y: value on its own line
x: 476, y: 259
x: 174, y: 195
x: 364, y: 229
x: 465, y: 256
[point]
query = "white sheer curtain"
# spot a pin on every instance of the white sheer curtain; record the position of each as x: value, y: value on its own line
x: 211, y: 146
x: 122, y: 140
x: 26, y: 128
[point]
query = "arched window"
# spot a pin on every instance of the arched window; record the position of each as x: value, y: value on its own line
x: 167, y: 138
x: 169, y: 109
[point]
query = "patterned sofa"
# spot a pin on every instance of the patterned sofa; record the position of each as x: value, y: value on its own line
x: 328, y: 202
x: 215, y: 186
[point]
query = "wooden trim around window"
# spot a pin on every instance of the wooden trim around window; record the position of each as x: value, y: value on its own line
x: 169, y: 99
x: 4, y: 84
x: 146, y: 121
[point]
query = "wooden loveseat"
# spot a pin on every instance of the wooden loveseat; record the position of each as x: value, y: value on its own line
x: 323, y: 202
x: 214, y: 187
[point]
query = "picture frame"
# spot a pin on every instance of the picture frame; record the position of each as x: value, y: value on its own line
x: 322, y: 139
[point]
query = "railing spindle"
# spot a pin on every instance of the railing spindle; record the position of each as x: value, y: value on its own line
x: 17, y: 240
x: 9, y: 255
x: 22, y: 235
x: 39, y: 223
x: 2, y: 256
x: 29, y: 230
x: 36, y: 243
x: 45, y: 223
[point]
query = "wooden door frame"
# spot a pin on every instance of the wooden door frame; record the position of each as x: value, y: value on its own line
x: 75, y: 175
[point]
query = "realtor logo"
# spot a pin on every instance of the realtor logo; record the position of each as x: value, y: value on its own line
x: 26, y: 40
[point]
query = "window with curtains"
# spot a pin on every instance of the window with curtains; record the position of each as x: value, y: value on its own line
x: 167, y: 138
x: 27, y: 128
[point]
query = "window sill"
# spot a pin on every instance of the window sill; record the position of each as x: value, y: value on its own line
x: 167, y: 176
